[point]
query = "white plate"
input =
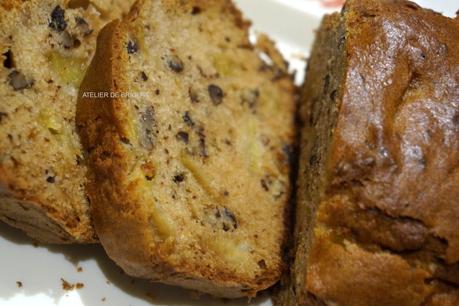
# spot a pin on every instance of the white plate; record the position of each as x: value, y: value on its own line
x: 41, y: 269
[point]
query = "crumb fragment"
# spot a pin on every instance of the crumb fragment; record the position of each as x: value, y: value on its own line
x: 79, y: 269
x: 68, y: 286
x: 19, y: 284
x: 103, y: 299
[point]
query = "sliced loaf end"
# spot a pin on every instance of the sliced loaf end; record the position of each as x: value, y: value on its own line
x: 45, y: 47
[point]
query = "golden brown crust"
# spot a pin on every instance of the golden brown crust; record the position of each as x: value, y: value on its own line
x: 39, y: 221
x: 34, y: 221
x: 385, y: 229
x: 404, y: 154
x: 128, y: 230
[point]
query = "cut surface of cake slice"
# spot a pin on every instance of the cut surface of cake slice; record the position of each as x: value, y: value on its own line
x: 45, y: 47
x: 189, y: 135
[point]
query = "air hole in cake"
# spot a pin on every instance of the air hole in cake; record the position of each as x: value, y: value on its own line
x: 9, y: 60
x: 196, y: 10
x: 68, y: 41
x: 262, y: 264
x: 144, y: 76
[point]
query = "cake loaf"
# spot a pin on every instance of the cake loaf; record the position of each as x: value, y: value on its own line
x: 189, y: 136
x: 377, y: 219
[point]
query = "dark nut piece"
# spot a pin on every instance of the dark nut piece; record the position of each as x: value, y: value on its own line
x: 216, y: 94
x: 178, y: 178
x: 183, y: 136
x: 195, y: 10
x: 202, y: 142
x: 132, y: 47
x: 57, y: 22
x: 18, y: 81
x: 227, y: 219
x: 125, y: 140
x: 187, y: 119
x: 175, y: 63
x: 144, y: 76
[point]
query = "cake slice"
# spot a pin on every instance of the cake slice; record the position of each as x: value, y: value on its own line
x: 378, y: 198
x: 189, y: 138
x: 45, y: 47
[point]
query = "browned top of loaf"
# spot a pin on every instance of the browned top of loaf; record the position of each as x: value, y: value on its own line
x: 190, y: 185
x: 387, y: 232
